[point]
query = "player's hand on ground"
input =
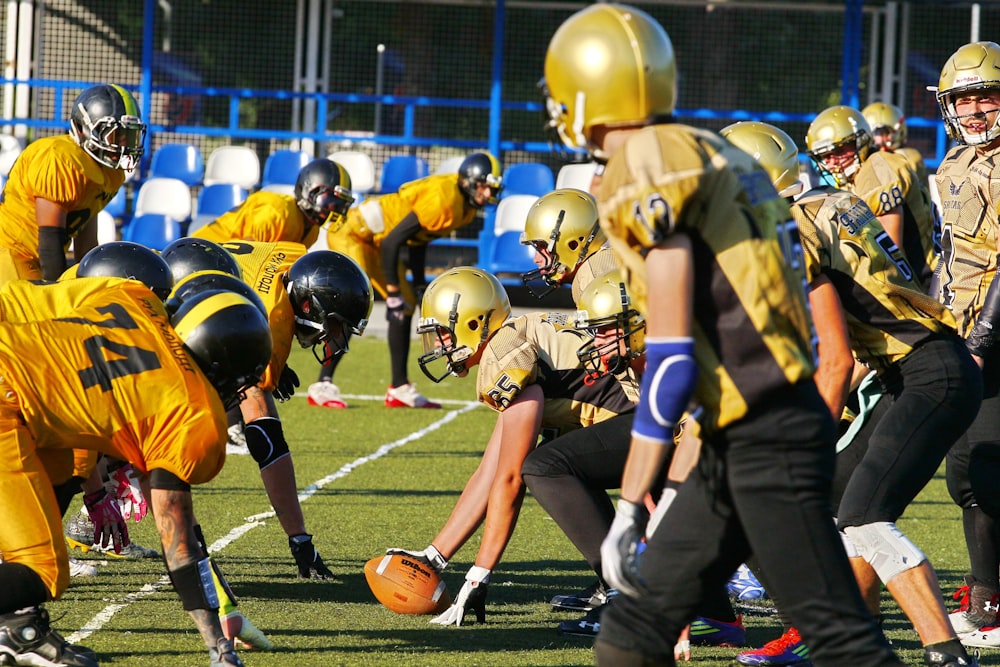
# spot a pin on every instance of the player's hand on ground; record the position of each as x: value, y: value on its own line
x: 307, y: 559
x: 620, y: 549
x: 429, y: 556
x: 472, y: 597
x: 286, y: 385
x: 110, y: 528
x: 682, y: 649
x: 129, y: 493
x: 224, y: 655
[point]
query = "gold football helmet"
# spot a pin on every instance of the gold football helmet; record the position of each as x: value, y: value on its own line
x: 563, y: 223
x: 834, y: 131
x: 973, y: 67
x: 888, y: 125
x: 460, y: 311
x: 606, y: 302
x: 773, y: 149
x: 607, y: 65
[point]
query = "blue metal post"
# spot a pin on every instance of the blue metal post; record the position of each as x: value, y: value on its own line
x: 496, y: 89
x: 146, y: 78
x: 851, y: 72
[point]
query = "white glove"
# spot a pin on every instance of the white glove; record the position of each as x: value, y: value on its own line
x: 620, y: 549
x: 129, y: 493
x: 429, y: 556
x: 472, y: 596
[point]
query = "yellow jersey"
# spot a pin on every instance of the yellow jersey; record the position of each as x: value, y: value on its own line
x: 264, y: 217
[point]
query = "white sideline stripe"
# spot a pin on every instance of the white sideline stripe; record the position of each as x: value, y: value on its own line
x: 105, y: 615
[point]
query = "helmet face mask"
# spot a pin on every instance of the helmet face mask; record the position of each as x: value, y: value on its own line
x: 973, y: 70
x: 323, y: 192
x: 461, y: 309
x: 332, y: 299
x: 619, y: 331
x: 563, y: 227
x: 105, y: 122
x: 607, y: 65
x: 839, y: 141
x: 477, y: 172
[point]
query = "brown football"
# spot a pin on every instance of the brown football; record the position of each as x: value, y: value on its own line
x: 405, y: 585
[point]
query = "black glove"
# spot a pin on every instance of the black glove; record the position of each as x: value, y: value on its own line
x: 307, y: 559
x: 286, y: 385
x: 395, y: 308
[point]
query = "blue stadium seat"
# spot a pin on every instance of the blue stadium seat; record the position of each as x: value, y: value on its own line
x: 283, y: 166
x: 181, y: 161
x: 527, y: 178
x: 214, y: 200
x: 402, y: 169
x: 118, y: 207
x: 500, y: 249
x: 153, y: 230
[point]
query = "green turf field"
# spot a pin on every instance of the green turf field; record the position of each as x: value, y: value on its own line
x: 377, y: 478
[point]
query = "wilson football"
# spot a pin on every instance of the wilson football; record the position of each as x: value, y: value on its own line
x: 405, y: 585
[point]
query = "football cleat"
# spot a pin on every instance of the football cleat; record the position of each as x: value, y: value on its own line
x: 744, y: 586
x: 132, y: 552
x: 788, y: 649
x: 224, y: 655
x: 586, y: 627
x: 79, y: 532
x: 986, y: 637
x: 978, y: 606
x: 236, y: 444
x: 325, y: 395
x: 27, y: 639
x: 583, y: 600
x: 710, y: 632
x: 407, y: 396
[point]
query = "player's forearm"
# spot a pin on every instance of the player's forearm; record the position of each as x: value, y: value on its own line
x: 504, y: 507
x: 641, y: 467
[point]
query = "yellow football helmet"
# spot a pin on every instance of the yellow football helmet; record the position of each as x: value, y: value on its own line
x: 606, y: 302
x: 973, y: 67
x: 773, y: 149
x: 460, y: 310
x: 832, y: 131
x: 563, y: 222
x: 886, y: 120
x: 607, y: 65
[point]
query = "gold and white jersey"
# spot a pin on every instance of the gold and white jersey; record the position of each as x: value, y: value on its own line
x: 887, y: 312
x: 969, y: 186
x: 885, y: 181
x: 540, y: 348
x: 752, y: 330
x: 593, y: 267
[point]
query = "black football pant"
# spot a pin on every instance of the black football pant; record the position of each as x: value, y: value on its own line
x: 763, y: 486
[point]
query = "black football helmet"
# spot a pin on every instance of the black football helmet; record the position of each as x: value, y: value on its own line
x: 228, y: 337
x: 123, y: 259
x: 203, y: 281
x: 105, y: 121
x: 332, y: 299
x: 323, y: 192
x: 187, y: 255
x: 479, y: 168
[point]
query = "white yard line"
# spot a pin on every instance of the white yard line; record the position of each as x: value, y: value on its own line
x: 105, y: 615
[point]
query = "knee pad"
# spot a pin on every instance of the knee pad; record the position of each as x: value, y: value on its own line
x: 886, y: 549
x: 266, y: 441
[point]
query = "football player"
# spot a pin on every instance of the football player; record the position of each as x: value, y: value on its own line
x: 530, y: 374
x: 867, y: 306
x: 687, y: 214
x: 374, y: 235
x: 569, y: 245
x: 87, y: 386
x: 58, y: 185
x: 889, y: 134
x: 969, y: 180
x: 840, y: 144
x: 321, y: 197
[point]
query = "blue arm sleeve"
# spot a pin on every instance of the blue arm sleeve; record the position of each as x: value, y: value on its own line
x: 667, y: 385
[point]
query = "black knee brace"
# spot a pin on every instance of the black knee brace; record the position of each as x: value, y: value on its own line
x: 266, y: 441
